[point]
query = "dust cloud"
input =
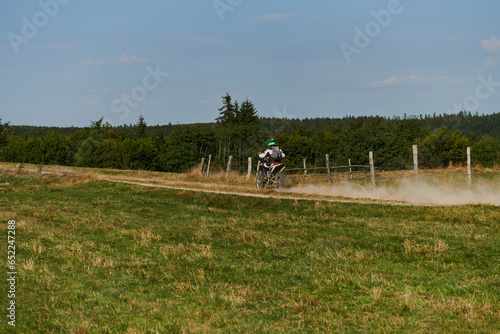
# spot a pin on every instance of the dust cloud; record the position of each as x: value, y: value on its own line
x: 411, y: 192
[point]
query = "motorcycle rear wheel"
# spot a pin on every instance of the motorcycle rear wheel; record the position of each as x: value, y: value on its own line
x: 278, y: 181
x: 260, y: 179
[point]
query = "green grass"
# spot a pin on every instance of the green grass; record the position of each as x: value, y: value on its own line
x: 100, y: 257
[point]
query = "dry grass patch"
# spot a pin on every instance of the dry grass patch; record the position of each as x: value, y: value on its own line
x: 436, y: 247
x: 187, y: 251
x: 37, y: 247
x: 146, y: 236
x: 102, y: 262
x: 169, y: 250
x: 345, y: 254
x: 28, y: 264
x: 249, y: 236
x: 236, y: 294
x: 376, y: 292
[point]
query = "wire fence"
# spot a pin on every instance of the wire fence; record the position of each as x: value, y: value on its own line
x: 365, y: 171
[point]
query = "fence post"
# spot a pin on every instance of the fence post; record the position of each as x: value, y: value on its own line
x: 469, y: 167
x: 327, y: 156
x: 249, y: 167
x: 228, y: 169
x: 202, y: 164
x: 209, y: 162
x: 372, y: 167
x: 350, y: 168
x: 415, y: 161
x: 305, y: 169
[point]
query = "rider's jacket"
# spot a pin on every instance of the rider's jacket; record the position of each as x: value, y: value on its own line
x: 272, y: 154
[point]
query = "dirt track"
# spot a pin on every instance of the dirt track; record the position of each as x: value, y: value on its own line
x: 243, y: 187
x: 241, y: 190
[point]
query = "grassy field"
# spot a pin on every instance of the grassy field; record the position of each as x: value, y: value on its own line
x: 99, y: 257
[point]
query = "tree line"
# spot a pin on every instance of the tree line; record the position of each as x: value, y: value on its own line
x: 238, y: 131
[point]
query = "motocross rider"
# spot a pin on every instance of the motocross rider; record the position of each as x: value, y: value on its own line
x: 273, y: 154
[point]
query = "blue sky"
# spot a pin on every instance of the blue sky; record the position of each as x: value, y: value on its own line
x: 70, y: 62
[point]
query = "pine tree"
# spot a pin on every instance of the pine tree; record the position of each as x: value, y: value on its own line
x: 228, y: 110
x: 247, y: 114
x: 97, y: 124
x: 141, y: 128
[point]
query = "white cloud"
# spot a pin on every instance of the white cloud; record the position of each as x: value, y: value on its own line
x: 271, y: 17
x: 125, y: 58
x: 409, y: 80
x: 491, y: 44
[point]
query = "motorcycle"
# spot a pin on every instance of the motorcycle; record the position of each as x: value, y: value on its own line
x: 272, y: 176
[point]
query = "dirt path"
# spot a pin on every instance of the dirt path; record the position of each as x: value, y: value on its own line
x: 184, y: 183
x: 241, y: 190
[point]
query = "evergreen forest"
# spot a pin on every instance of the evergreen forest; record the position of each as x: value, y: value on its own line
x: 241, y: 133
